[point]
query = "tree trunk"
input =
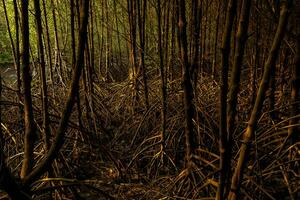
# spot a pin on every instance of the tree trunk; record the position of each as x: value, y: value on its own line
x: 59, y: 139
x: 189, y: 107
x: 162, y: 76
x: 46, y: 119
x: 142, y: 8
x: 225, y: 52
x: 49, y: 52
x: 30, y: 127
x: 249, y: 134
x: 241, y: 38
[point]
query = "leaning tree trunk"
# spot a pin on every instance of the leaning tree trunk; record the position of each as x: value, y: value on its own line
x: 59, y: 139
x: 249, y: 134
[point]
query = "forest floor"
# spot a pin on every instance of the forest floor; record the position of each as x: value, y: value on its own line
x: 116, y: 155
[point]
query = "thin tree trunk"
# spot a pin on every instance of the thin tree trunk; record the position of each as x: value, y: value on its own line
x: 49, y: 52
x: 256, y: 56
x: 189, y: 107
x: 15, y: 49
x: 108, y: 46
x: 225, y: 52
x: 241, y: 38
x: 46, y: 119
x: 172, y: 61
x: 59, y: 139
x: 295, y: 93
x: 216, y: 41
x: 142, y: 8
x: 18, y: 65
x: 30, y: 127
x: 9, y: 33
x: 57, y: 62
x: 73, y: 47
x: 162, y: 75
x: 134, y: 72
x: 197, y: 17
x: 249, y: 134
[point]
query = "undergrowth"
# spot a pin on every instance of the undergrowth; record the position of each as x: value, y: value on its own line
x: 118, y: 155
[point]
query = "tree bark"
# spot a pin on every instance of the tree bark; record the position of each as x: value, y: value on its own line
x: 44, y: 88
x: 225, y: 52
x: 248, y: 135
x: 30, y: 127
x: 189, y: 107
x: 59, y: 139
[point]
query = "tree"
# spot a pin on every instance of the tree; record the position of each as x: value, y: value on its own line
x: 30, y: 127
x: 189, y: 108
x: 225, y: 52
x: 62, y: 128
x: 249, y: 134
x: 44, y: 88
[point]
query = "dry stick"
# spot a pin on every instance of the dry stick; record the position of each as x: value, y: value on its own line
x: 248, y: 135
x: 225, y: 51
x: 62, y: 128
x: 30, y: 127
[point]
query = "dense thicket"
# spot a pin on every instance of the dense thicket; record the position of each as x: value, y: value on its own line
x: 159, y: 99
